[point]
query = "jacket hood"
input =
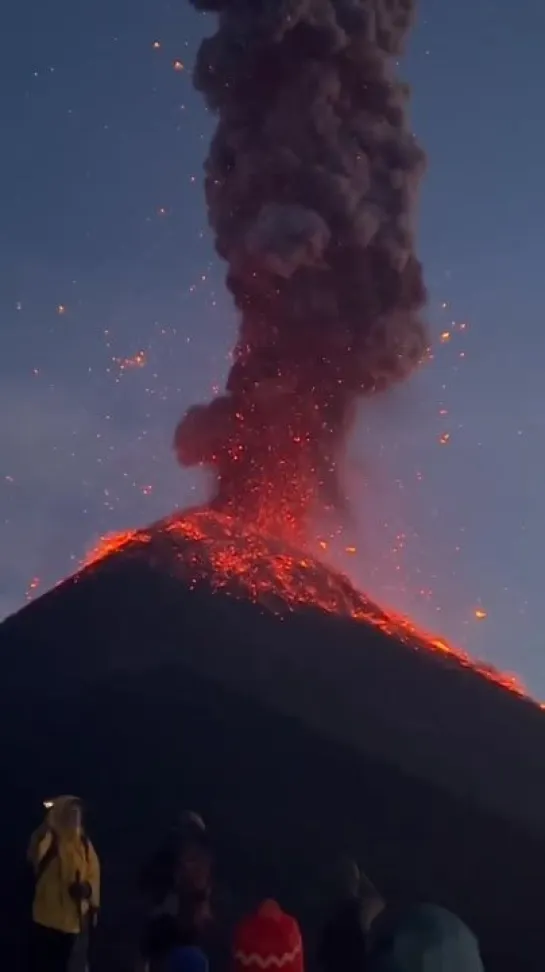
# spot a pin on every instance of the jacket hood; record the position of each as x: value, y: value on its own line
x: 56, y: 809
x: 427, y: 939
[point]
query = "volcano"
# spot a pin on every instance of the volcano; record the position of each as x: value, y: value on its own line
x: 198, y: 663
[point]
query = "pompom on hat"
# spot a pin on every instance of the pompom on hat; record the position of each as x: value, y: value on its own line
x: 268, y: 939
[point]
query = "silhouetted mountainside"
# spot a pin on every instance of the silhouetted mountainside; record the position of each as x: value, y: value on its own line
x: 297, y: 738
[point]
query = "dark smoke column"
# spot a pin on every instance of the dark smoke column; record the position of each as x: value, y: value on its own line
x: 311, y: 184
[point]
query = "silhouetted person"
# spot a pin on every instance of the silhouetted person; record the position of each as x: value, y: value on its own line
x: 343, y: 944
x: 67, y: 886
x: 176, y: 885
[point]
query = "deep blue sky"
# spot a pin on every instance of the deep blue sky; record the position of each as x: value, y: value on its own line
x: 100, y: 132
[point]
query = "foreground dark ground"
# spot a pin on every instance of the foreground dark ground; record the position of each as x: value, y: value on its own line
x: 145, y: 698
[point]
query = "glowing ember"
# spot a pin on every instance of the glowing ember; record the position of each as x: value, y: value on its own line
x: 138, y: 360
x: 204, y: 545
x: 32, y: 588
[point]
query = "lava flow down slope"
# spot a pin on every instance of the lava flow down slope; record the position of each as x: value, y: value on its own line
x: 196, y: 663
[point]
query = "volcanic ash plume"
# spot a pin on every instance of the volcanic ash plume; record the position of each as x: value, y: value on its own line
x: 311, y: 182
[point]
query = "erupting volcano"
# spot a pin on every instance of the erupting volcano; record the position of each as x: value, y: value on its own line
x: 300, y: 718
x: 311, y: 182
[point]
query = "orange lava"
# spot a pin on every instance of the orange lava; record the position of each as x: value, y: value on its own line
x: 110, y: 544
x: 204, y: 545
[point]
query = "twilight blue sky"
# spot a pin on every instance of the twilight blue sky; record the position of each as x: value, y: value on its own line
x: 105, y: 253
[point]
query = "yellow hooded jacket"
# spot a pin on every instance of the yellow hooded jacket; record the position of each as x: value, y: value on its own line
x: 72, y: 858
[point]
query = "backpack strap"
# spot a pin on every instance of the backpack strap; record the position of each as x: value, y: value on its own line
x: 49, y: 856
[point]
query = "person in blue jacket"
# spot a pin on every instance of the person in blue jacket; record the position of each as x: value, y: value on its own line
x: 186, y: 958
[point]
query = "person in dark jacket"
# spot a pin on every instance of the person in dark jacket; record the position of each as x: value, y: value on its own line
x: 182, y: 862
x: 424, y: 938
x: 343, y: 944
x: 176, y: 885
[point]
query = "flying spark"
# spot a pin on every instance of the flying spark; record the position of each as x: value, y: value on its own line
x: 32, y: 587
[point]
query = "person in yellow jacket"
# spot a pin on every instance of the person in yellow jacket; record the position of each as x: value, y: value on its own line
x: 67, y: 885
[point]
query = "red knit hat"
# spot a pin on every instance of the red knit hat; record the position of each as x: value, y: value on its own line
x: 268, y: 940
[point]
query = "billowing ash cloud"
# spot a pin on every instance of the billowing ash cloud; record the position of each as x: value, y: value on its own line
x: 311, y: 183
